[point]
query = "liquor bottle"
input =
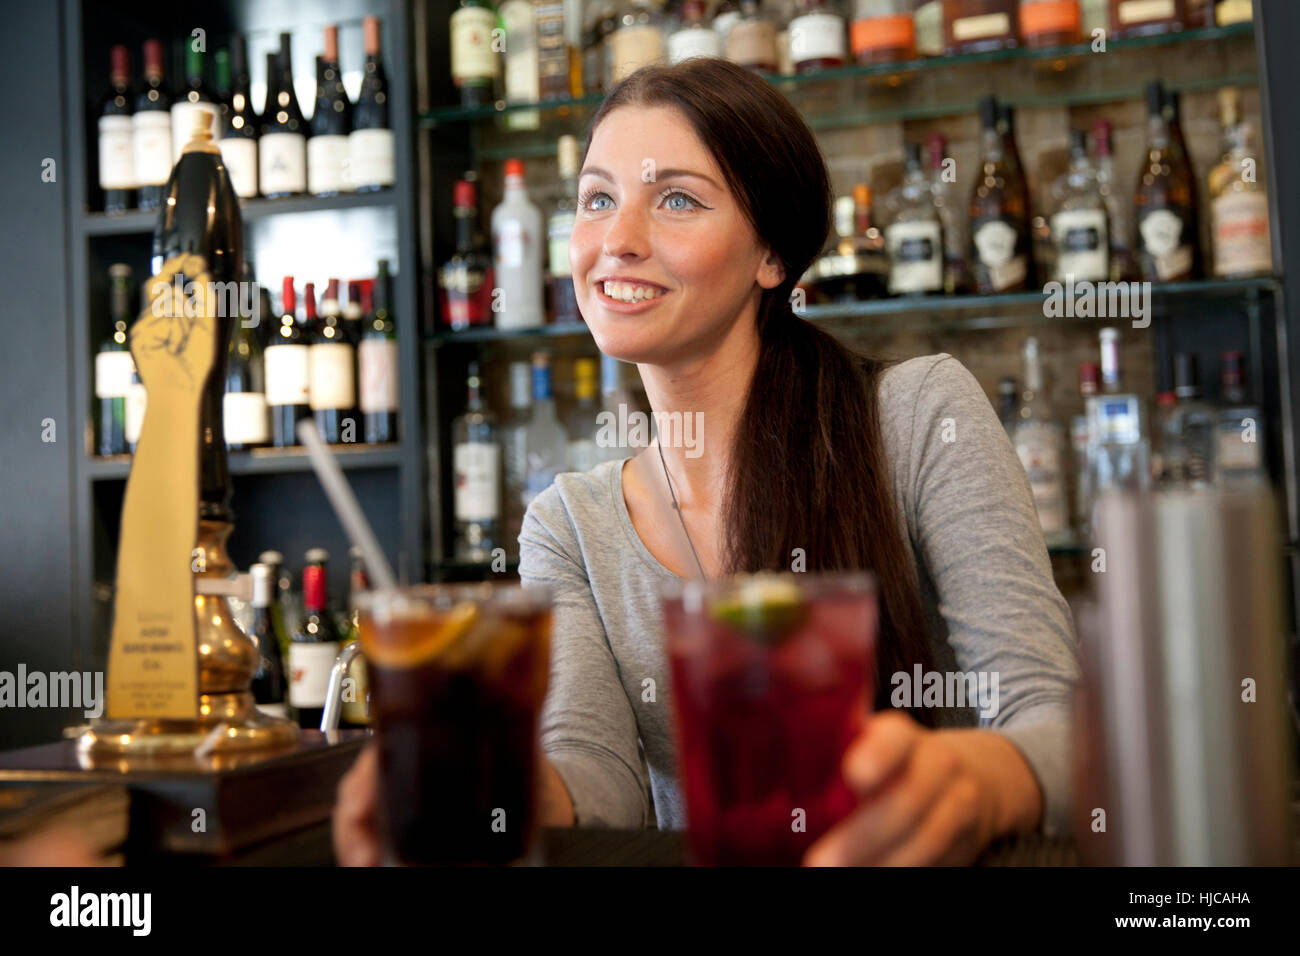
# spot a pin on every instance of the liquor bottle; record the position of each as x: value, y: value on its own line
x: 314, y: 646
x: 726, y: 15
x: 473, y: 61
x: 914, y: 232
x: 999, y: 224
x: 693, y: 37
x: 221, y: 85
x: 239, y: 141
x: 1080, y: 226
x: 1228, y: 12
x: 1040, y: 444
x: 1134, y: 18
x: 817, y: 36
x: 269, y: 681
x: 113, y: 367
x: 521, y: 78
x: 637, y: 41
x: 370, y: 144
x: 1050, y: 23
x: 856, y: 267
x: 545, y: 443
x: 377, y: 361
x: 244, y: 404
x: 552, y: 49
x: 332, y: 372
x: 288, y: 373
x: 356, y: 698
x: 1166, y: 235
x: 1019, y: 181
x: 882, y: 31
x: 286, y: 610
x: 465, y: 280
x: 943, y: 186
x: 517, y: 255
x: 328, y: 165
x: 1165, y: 455
x: 1190, y: 433
x: 1117, y: 212
x: 1239, y: 433
x: 116, y: 148
x: 599, y: 18
x: 196, y: 95
x: 514, y: 453
x: 581, y: 424
x: 1238, y: 199
x: 151, y: 131
x: 1008, y: 403
x: 979, y: 26
x: 929, y: 27
x: 751, y: 39
x: 559, y: 226
x: 1182, y: 157
x: 1081, y: 442
x: 1119, y: 457
x: 282, y: 159
x: 476, y: 462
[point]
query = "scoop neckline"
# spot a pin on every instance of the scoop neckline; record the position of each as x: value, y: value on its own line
x: 625, y: 520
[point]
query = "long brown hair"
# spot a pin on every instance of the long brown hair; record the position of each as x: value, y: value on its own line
x: 807, y: 468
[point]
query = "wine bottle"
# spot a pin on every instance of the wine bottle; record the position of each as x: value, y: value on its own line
x: 200, y: 220
x: 113, y: 367
x: 314, y: 646
x: 356, y: 705
x: 1166, y: 236
x: 377, y: 361
x: 332, y: 376
x: 353, y: 317
x: 239, y: 140
x: 287, y: 373
x: 195, y: 96
x: 282, y: 159
x: 474, y: 64
x: 151, y: 131
x: 559, y: 227
x: 999, y: 225
x: 269, y: 681
x: 116, y: 150
x: 465, y: 280
x: 328, y: 163
x: 370, y: 144
x: 244, y: 404
x: 476, y: 457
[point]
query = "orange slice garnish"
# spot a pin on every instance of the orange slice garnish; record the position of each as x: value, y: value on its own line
x: 409, y: 641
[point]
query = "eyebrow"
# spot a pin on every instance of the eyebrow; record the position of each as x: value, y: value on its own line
x: 661, y: 174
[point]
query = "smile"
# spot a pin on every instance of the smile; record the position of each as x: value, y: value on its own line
x: 626, y: 297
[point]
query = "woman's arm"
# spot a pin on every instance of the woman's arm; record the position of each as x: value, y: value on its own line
x: 593, y: 770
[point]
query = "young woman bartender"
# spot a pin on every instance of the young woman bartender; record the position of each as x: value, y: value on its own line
x: 703, y: 199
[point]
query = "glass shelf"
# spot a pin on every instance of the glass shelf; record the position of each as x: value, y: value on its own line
x: 138, y: 221
x: 267, y: 461
x: 938, y: 313
x: 855, y: 95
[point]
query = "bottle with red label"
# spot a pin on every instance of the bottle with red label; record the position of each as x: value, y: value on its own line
x: 314, y: 645
x: 817, y: 36
x: 465, y: 280
x: 377, y: 361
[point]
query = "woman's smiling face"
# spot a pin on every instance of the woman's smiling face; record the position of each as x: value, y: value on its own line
x: 655, y: 207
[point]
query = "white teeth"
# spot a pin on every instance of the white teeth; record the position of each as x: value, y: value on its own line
x: 626, y: 292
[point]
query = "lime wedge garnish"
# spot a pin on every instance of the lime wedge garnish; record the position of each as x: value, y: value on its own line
x: 764, y: 608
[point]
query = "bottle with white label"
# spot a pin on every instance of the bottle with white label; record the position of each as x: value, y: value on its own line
x: 914, y: 234
x: 243, y: 406
x: 559, y: 227
x: 517, y: 255
x: 1039, y: 440
x: 332, y: 375
x: 637, y: 40
x: 196, y: 95
x: 818, y: 37
x: 370, y: 144
x: 694, y: 37
x: 1080, y: 225
x: 288, y: 373
x: 473, y: 61
x: 314, y: 645
x: 116, y: 149
x: 476, y: 463
x: 113, y: 367
x: 238, y: 142
x: 377, y: 366
x: 282, y: 150
x: 1167, y: 237
x: 151, y: 131
x: 1239, y: 445
x: 521, y: 73
x: 1238, y: 198
x: 999, y: 214
x: 328, y: 162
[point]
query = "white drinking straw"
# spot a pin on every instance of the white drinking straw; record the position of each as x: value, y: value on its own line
x: 345, y: 504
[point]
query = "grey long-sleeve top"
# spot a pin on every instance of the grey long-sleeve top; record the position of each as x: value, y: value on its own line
x: 986, y: 586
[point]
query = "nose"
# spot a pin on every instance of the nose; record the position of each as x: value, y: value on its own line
x: 626, y: 235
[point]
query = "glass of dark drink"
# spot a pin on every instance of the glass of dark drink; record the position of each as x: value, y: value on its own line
x: 773, y: 677
x: 457, y: 675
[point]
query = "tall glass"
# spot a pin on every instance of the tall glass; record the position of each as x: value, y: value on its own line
x: 773, y: 677
x: 457, y: 674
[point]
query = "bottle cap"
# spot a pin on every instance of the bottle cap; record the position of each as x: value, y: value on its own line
x: 288, y: 302
x: 120, y: 59
x: 271, y: 557
x: 862, y: 195
x: 1166, y: 400
x: 317, y: 556
x: 514, y: 167
x: 463, y: 194
x: 119, y: 270
x: 263, y: 584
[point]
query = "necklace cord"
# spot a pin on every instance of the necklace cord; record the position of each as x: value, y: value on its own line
x: 678, y: 509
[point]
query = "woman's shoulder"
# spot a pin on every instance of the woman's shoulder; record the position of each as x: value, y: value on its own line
x: 576, y: 499
x: 910, y: 393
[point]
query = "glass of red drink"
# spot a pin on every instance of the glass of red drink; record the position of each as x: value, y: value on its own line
x: 457, y: 676
x: 772, y: 679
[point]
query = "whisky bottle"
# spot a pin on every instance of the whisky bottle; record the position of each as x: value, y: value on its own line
x: 1238, y: 199
x: 914, y: 233
x: 1080, y: 227
x: 999, y: 223
x: 1165, y: 238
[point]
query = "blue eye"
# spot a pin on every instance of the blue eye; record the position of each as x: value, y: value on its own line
x: 586, y: 199
x: 678, y: 193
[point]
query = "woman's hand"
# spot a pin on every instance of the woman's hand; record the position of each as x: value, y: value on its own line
x: 928, y: 797
x: 356, y: 835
